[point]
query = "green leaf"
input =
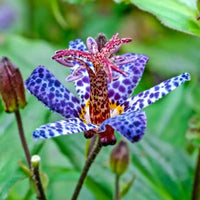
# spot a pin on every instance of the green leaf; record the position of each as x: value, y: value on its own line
x: 169, y: 55
x: 158, y: 170
x: 176, y: 14
x: 73, y: 148
x: 159, y: 175
x: 78, y: 1
x: 194, y: 95
x: 126, y: 187
x: 10, y: 145
x: 68, y: 178
x: 9, y: 177
x: 169, y: 113
x: 25, y: 169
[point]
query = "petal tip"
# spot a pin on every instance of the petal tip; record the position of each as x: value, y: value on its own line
x: 186, y: 76
x: 144, y: 57
x: 36, y: 135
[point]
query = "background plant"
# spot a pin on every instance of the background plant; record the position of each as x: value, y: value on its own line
x: 41, y: 27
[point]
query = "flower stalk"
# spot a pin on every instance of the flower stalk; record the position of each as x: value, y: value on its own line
x: 117, y: 176
x: 35, y: 161
x: 119, y: 161
x: 196, y: 184
x: 86, y: 168
x: 22, y: 137
x: 13, y: 96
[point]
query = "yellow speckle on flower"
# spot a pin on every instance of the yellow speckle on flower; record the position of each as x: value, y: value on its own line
x: 84, y: 120
x: 82, y: 115
x: 120, y: 109
x: 87, y: 103
x: 117, y: 111
x: 113, y: 105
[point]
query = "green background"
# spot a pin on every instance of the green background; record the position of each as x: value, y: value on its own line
x: 163, y: 162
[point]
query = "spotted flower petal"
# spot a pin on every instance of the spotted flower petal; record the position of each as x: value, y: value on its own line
x: 63, y: 127
x: 122, y: 88
x: 106, y: 81
x: 43, y: 85
x: 77, y: 44
x: 131, y: 125
x: 155, y: 93
x: 83, y: 84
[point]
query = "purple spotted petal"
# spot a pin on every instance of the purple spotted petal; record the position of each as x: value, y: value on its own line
x: 150, y: 96
x: 77, y: 44
x: 122, y: 88
x: 83, y: 84
x: 64, y: 127
x: 131, y: 125
x: 43, y: 85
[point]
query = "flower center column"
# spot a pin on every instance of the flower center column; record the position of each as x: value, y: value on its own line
x: 99, y: 106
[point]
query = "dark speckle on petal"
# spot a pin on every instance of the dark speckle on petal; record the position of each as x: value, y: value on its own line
x: 110, y: 93
x: 126, y: 81
x: 117, y: 96
x: 80, y: 83
x: 85, y: 79
x: 57, y: 83
x: 122, y: 89
x: 116, y: 84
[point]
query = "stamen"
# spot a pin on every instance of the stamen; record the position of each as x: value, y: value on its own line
x: 115, y: 49
x: 79, y: 69
x: 74, y: 77
x: 109, y: 72
x: 115, y: 36
x: 92, y: 45
x: 109, y: 66
x: 77, y: 53
x: 121, y: 60
x: 115, y: 77
x: 65, y: 62
x: 113, y: 45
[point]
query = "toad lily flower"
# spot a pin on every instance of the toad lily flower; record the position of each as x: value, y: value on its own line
x: 104, y: 83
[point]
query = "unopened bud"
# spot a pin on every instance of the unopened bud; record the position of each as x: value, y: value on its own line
x: 193, y: 133
x: 35, y: 161
x: 11, y: 86
x: 119, y: 158
x: 101, y: 41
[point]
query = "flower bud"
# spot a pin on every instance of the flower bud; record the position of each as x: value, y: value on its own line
x: 35, y: 161
x: 193, y: 133
x: 119, y: 158
x: 11, y: 86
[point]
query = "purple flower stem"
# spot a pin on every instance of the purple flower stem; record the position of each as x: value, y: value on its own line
x: 196, y: 184
x: 38, y: 182
x: 36, y: 175
x: 86, y: 168
x: 22, y: 138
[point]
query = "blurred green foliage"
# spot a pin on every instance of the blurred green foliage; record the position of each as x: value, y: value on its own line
x: 177, y: 14
x: 193, y: 133
x: 162, y: 165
